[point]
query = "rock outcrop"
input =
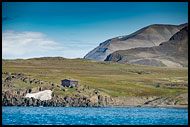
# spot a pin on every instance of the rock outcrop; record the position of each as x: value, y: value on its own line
x: 23, y: 78
x: 15, y: 98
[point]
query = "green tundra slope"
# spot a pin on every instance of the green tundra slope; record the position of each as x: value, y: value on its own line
x: 114, y: 79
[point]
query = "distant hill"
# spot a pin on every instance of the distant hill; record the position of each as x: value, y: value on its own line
x: 172, y: 53
x: 148, y: 36
x: 47, y: 58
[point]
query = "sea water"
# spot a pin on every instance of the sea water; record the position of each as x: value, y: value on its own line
x: 93, y: 116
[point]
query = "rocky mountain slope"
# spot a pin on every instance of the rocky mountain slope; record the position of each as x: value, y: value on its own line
x: 148, y: 36
x: 172, y: 53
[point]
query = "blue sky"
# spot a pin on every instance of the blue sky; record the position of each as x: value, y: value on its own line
x: 72, y: 29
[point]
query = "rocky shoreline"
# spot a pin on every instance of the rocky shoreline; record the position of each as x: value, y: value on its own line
x: 10, y: 99
x: 84, y: 97
x: 75, y: 101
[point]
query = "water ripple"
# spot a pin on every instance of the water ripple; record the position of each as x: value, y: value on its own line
x: 93, y: 116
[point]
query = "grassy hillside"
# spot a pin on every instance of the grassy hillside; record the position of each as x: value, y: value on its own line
x: 115, y: 79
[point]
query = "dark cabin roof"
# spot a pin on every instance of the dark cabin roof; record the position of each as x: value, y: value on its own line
x: 70, y: 80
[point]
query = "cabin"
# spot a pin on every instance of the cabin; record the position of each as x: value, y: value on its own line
x: 69, y: 83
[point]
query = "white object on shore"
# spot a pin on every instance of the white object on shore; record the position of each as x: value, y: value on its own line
x: 42, y: 95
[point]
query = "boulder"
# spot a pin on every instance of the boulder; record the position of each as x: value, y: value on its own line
x: 59, y: 86
x: 8, y: 78
x: 5, y: 72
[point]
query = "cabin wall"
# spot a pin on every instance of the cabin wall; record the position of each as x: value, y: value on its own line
x: 69, y: 83
x: 66, y: 83
x: 73, y: 83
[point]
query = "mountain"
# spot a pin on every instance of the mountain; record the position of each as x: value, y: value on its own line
x: 172, y: 53
x: 148, y: 36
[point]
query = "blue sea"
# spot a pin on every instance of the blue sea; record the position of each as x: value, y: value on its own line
x: 93, y: 116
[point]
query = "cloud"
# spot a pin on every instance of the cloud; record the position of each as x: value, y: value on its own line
x: 30, y: 44
x: 26, y: 44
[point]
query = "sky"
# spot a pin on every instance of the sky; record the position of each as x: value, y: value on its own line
x: 72, y: 29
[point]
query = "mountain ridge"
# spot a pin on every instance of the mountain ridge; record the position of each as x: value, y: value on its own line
x: 148, y: 36
x: 173, y: 52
